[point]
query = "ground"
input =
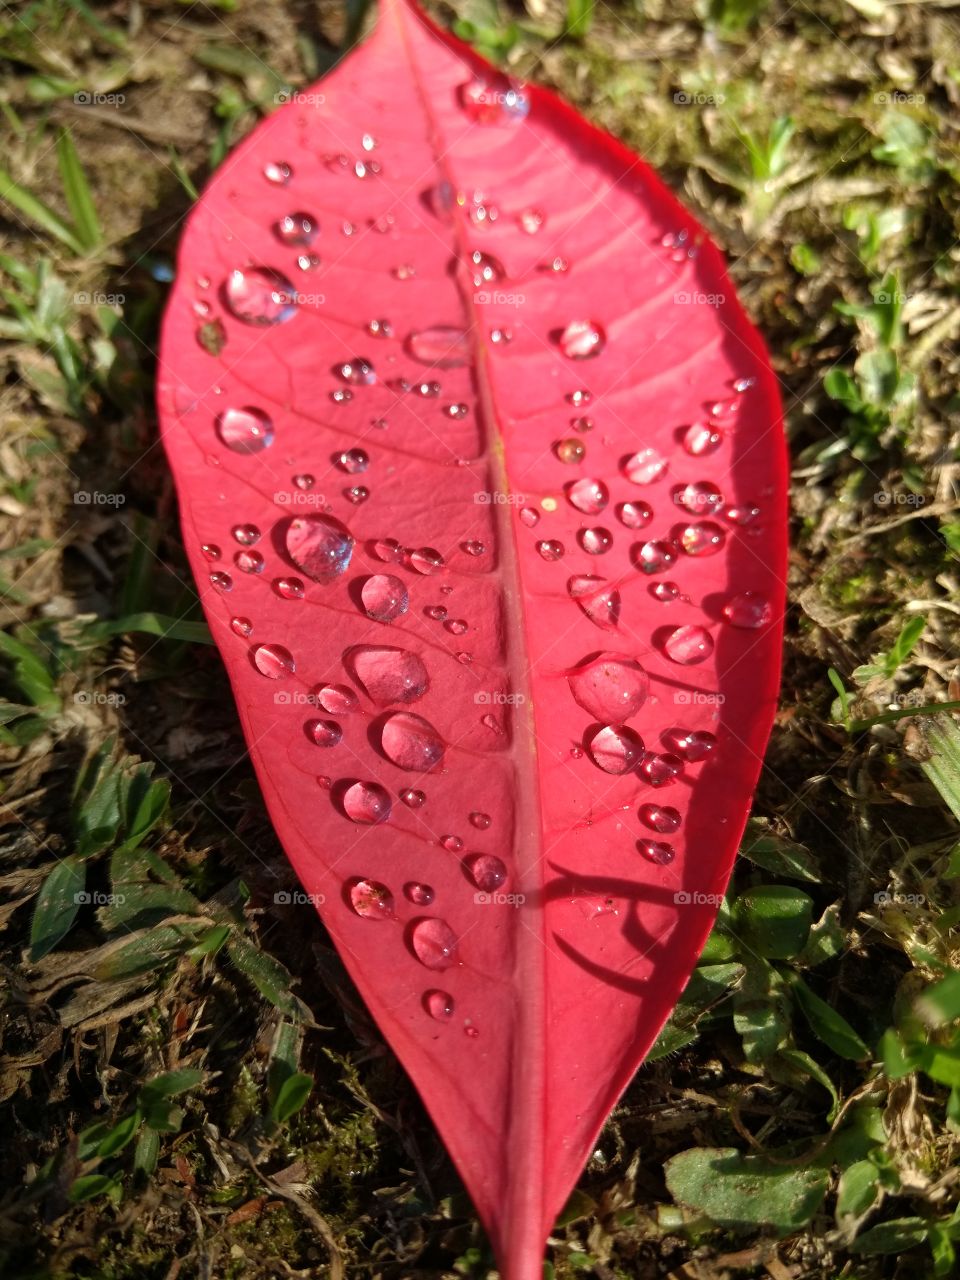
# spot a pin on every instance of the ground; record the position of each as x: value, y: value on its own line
x: 800, y: 1116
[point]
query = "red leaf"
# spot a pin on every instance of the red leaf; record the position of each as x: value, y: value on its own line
x: 478, y: 623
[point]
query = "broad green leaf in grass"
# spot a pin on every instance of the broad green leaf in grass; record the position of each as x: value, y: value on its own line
x: 774, y: 920
x: 60, y: 898
x: 742, y: 1193
x: 827, y: 1024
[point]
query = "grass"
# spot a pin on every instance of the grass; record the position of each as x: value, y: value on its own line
x: 192, y: 1090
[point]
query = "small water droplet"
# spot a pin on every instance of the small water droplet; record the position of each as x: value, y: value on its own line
x: 297, y: 229
x: 741, y: 514
x: 480, y: 820
x: 456, y: 626
x: 691, y: 745
x: 487, y: 871
x: 274, y: 661
x: 550, y: 549
x: 221, y: 581
x: 644, y: 467
x: 579, y: 398
x: 656, y: 851
x: 389, y: 674
x: 702, y: 538
x: 493, y: 101
x: 241, y: 627
x: 615, y: 749
x: 412, y: 798
x: 531, y: 220
x: 357, y: 372
x: 582, y: 339
x: 371, y: 899
x: 249, y: 561
x: 210, y: 551
x: 611, y: 687
x: 411, y: 742
x: 582, y: 424
x: 380, y: 328
x: 246, y: 430
x: 404, y: 271
x: 325, y: 733
x: 303, y: 482
x: 434, y: 943
x: 559, y: 265
x: 660, y: 817
x: 456, y: 411
x: 320, y: 546
x: 259, y: 295
x: 308, y: 261
x: 600, y: 602
x: 596, y: 541
x: 367, y: 803
x: 473, y: 547
x: 660, y: 770
x: 748, y: 609
x: 743, y: 384
x: 245, y: 534
x: 352, y: 461
x: 442, y: 346
x: 439, y: 1005
x: 485, y: 269
x: 343, y: 395
x: 338, y: 699
x: 388, y: 550
x: 289, y: 588
x: 384, y: 597
x: 529, y: 517
x: 688, y: 645
x: 356, y: 494
x: 277, y: 172
x: 426, y: 560
x: 452, y: 844
x: 655, y: 556
x: 664, y: 591
x: 701, y: 439
x: 570, y: 451
x: 501, y: 337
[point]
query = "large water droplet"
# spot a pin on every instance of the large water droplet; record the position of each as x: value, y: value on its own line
x: 443, y: 346
x: 320, y: 546
x: 221, y: 581
x: 634, y: 515
x: 700, y: 497
x: 274, y: 661
x: 246, y: 430
x: 660, y: 817
x: 246, y: 534
x: 611, y: 687
x: 249, y: 561
x: 702, y: 538
x: 615, y: 749
x: 487, y: 871
x: 688, y: 645
x: 655, y: 556
x: 389, y: 674
x: 570, y: 451
x: 412, y: 798
x: 596, y: 541
x: 550, y: 549
x: 411, y: 742
x: 434, y: 943
x: 241, y: 627
x: 702, y: 438
x: 660, y: 770
x: 325, y: 733
x: 388, y: 550
x: 426, y: 560
x: 367, y: 803
x: 691, y: 745
x: 420, y: 894
x: 644, y: 467
x: 588, y: 496
x: 439, y: 1005
x: 601, y: 603
x: 297, y: 229
x: 384, y: 597
x: 582, y: 339
x: 259, y: 295
x: 656, y: 851
x: 748, y: 609
x: 371, y: 899
x: 288, y: 588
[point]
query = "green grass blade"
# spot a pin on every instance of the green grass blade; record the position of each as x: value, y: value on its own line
x: 37, y: 212
x: 77, y: 192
